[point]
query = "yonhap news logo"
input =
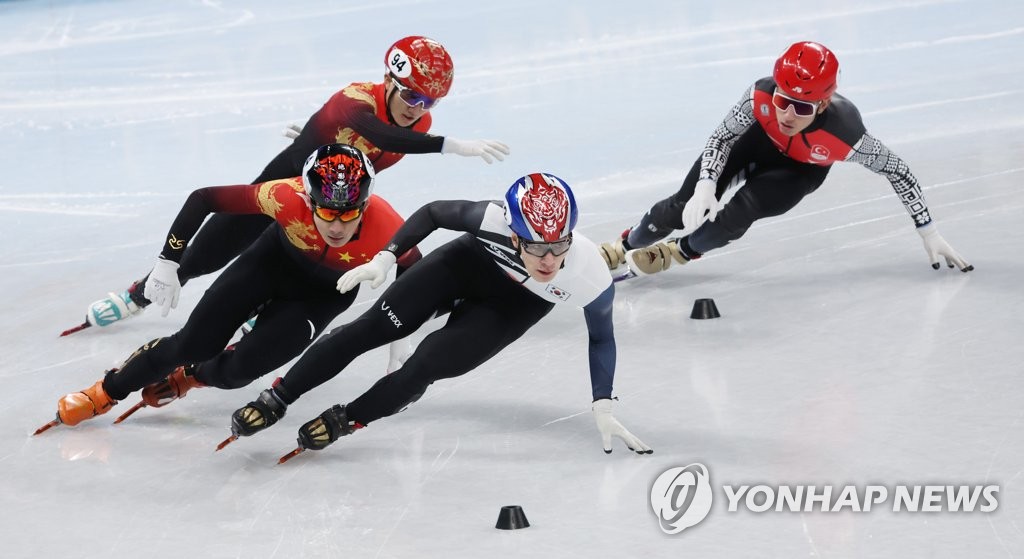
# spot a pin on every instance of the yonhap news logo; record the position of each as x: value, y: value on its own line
x: 681, y: 497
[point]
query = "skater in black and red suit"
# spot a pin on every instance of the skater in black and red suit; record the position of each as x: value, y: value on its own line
x: 325, y: 222
x: 779, y: 141
x: 384, y: 120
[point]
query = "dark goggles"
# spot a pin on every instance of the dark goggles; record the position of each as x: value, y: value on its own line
x: 801, y: 108
x: 541, y: 250
x: 413, y: 98
x: 330, y: 214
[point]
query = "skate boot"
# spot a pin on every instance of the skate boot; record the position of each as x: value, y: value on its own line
x: 259, y: 414
x: 327, y: 428
x: 614, y: 253
x: 159, y: 394
x: 175, y: 386
x: 76, y: 408
x: 247, y: 326
x: 243, y: 331
x: 655, y: 258
x: 116, y: 306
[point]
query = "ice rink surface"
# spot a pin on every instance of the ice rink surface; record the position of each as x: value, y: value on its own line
x: 841, y: 357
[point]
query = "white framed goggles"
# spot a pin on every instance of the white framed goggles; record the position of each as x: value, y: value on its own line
x: 801, y: 108
x: 413, y: 98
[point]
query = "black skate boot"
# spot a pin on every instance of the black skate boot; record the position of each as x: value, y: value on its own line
x: 259, y: 414
x: 326, y: 428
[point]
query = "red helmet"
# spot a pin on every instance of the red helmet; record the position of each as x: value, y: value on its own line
x: 421, y: 64
x: 807, y: 71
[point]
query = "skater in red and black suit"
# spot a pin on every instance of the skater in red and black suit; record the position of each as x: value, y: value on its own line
x: 779, y: 141
x: 384, y: 120
x: 325, y: 222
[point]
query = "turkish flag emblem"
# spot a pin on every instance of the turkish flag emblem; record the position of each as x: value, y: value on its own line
x: 819, y: 153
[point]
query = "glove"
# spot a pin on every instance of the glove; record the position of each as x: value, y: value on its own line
x: 375, y: 271
x: 702, y: 202
x: 162, y: 285
x: 292, y: 131
x: 487, y: 149
x: 936, y: 246
x: 609, y: 426
x: 399, y: 352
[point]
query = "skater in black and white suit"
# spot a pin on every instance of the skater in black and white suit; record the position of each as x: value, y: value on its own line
x: 518, y: 259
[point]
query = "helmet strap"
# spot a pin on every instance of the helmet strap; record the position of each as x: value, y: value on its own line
x: 518, y: 245
x: 387, y: 102
x: 387, y: 105
x: 359, y: 229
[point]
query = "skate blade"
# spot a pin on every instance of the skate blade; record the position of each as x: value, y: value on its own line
x: 290, y: 455
x: 226, y: 442
x: 46, y: 427
x: 78, y: 328
x: 623, y: 276
x: 130, y: 411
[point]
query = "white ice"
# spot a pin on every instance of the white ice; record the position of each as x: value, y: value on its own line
x: 841, y: 357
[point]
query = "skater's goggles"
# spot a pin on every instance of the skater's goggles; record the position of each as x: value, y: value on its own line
x: 330, y: 214
x: 413, y: 98
x: 801, y: 108
x: 541, y: 250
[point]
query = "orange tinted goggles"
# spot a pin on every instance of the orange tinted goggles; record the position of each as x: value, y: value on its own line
x: 330, y: 214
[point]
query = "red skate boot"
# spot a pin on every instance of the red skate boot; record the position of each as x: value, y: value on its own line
x: 159, y: 394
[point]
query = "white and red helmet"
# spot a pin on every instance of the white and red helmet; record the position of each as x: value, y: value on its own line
x: 540, y: 208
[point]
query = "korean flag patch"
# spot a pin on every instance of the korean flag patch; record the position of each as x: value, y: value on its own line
x: 558, y: 292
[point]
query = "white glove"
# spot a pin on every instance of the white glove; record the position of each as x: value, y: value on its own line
x: 292, y: 131
x: 936, y: 246
x: 162, y: 286
x: 399, y: 353
x: 609, y: 426
x: 375, y: 271
x: 702, y: 202
x: 486, y: 149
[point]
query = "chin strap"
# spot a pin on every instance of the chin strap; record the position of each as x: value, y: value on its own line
x: 387, y: 106
x: 519, y: 248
